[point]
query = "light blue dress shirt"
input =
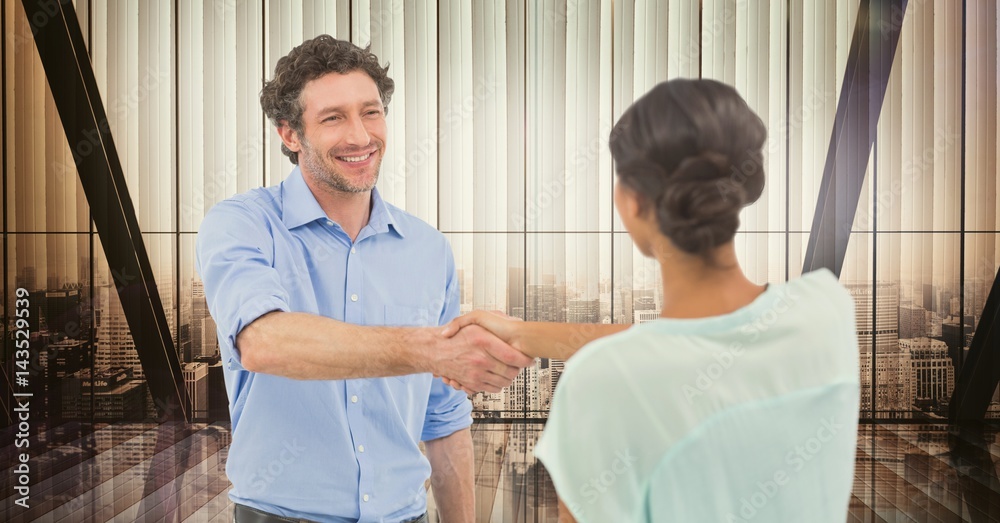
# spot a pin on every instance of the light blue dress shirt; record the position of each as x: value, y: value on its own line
x: 341, y: 450
x: 748, y: 416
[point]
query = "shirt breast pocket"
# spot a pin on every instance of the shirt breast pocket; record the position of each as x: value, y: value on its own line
x: 406, y: 316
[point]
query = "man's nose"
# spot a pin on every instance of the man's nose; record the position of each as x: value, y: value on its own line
x: 357, y: 134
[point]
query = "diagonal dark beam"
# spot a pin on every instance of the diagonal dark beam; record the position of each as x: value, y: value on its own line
x: 67, y: 65
x: 980, y: 374
x: 873, y: 46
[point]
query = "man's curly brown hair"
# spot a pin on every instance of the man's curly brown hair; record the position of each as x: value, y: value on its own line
x: 312, y: 59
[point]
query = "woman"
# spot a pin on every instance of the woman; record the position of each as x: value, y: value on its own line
x: 741, y: 401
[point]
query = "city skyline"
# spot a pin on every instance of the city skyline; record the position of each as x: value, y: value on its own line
x: 919, y: 350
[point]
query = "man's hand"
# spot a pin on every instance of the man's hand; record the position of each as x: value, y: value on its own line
x: 478, y: 359
x: 499, y: 324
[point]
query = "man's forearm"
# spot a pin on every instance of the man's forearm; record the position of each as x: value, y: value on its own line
x: 307, y: 346
x: 452, y: 476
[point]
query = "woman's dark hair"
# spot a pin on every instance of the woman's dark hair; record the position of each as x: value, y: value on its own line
x: 310, y: 60
x: 692, y: 150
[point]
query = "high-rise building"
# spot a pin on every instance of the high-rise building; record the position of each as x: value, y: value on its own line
x: 466, y: 288
x: 61, y: 310
x: 952, y: 336
x: 893, y: 384
x: 928, y: 296
x: 604, y: 313
x: 976, y: 292
x: 548, y: 379
x: 644, y: 297
x: 583, y: 311
x: 556, y: 368
x: 515, y: 292
x: 209, y: 337
x: 912, y: 322
x: 546, y: 301
x: 26, y: 278
x: 544, y: 389
x: 642, y: 316
x: 883, y: 325
x: 522, y: 394
x: 111, y: 392
x: 540, y: 302
x: 185, y: 345
x: 199, y: 311
x: 196, y: 383
x: 932, y: 374
x: 560, y: 308
x: 624, y: 313
x: 218, y: 398
x: 115, y: 345
x: 894, y: 387
x: 486, y: 404
x: 68, y: 356
x: 63, y: 359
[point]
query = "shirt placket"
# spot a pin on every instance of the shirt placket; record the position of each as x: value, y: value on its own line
x: 354, y: 389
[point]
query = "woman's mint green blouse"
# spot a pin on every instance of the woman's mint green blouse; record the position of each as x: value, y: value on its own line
x: 749, y: 416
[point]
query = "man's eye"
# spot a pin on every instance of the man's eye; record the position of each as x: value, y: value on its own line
x: 331, y: 118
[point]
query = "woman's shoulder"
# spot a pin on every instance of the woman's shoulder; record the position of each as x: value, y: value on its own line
x: 822, y: 283
x: 626, y: 356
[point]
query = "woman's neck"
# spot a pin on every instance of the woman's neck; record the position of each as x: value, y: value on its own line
x: 694, y: 289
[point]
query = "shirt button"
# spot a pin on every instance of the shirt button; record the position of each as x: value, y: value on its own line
x: 365, y: 497
x: 353, y: 250
x: 354, y: 399
x: 329, y: 222
x: 354, y: 297
x: 361, y: 448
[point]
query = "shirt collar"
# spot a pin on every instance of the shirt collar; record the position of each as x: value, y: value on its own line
x: 300, y: 207
x: 381, y: 217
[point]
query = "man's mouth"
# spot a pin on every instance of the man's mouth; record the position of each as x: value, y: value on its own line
x: 357, y: 158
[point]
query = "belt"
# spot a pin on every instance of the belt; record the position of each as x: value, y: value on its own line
x: 245, y: 514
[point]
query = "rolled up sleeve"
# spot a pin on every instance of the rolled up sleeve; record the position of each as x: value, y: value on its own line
x: 234, y: 257
x: 448, y: 410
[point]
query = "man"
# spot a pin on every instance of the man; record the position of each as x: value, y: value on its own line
x: 317, y: 286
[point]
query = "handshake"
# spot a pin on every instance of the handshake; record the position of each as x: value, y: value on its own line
x: 481, y: 351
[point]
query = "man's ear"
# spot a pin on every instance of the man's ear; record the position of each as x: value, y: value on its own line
x: 289, y: 137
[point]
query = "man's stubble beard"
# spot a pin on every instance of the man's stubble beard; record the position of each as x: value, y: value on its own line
x: 326, y: 172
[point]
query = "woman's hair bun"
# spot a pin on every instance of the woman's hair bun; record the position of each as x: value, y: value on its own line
x: 699, y: 209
